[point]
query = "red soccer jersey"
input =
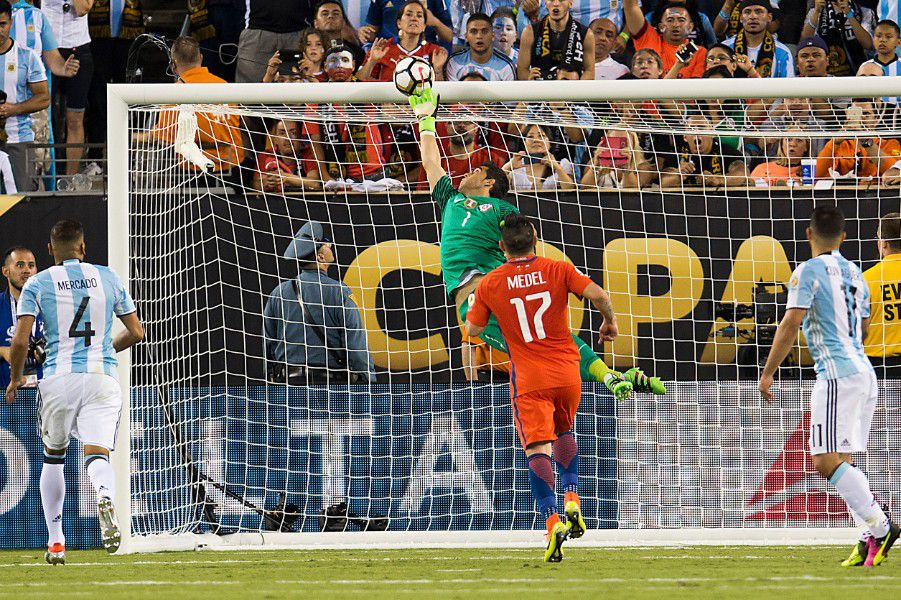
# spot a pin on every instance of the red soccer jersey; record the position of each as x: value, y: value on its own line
x: 529, y: 297
x: 384, y: 68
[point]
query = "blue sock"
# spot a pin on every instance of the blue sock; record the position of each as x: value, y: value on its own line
x: 541, y: 480
x: 566, y: 454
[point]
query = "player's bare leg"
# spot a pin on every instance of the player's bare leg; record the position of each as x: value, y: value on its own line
x: 53, y: 494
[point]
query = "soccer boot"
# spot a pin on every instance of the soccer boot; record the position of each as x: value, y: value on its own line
x: 877, y: 550
x: 619, y: 387
x: 858, y: 555
x: 55, y: 554
x: 644, y: 384
x: 555, y: 538
x: 574, y: 519
x: 109, y: 525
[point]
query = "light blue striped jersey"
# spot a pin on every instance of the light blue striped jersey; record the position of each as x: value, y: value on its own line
x: 30, y: 29
x: 20, y: 66
x: 783, y: 61
x: 888, y: 9
x: 833, y: 290
x: 78, y: 301
x: 498, y: 68
x: 893, y: 69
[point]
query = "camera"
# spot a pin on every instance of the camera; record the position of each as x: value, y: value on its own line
x: 766, y: 310
x: 37, y: 350
x: 290, y: 61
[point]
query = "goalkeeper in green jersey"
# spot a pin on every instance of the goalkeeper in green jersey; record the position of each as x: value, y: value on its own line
x: 471, y: 220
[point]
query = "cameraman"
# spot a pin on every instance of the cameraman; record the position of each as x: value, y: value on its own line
x: 18, y: 266
x: 883, y: 341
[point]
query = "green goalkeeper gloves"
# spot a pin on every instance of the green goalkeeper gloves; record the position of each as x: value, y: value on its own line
x: 425, y: 105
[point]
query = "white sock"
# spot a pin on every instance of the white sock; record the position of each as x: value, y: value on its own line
x: 53, y: 493
x: 853, y: 486
x: 862, y: 525
x: 101, y: 474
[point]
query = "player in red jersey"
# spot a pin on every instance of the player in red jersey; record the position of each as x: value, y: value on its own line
x: 529, y: 297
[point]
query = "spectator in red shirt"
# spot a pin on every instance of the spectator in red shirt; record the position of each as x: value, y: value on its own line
x: 292, y: 158
x: 308, y: 68
x: 385, y: 54
x: 675, y: 28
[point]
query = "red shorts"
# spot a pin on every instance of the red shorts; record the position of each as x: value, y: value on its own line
x: 541, y: 414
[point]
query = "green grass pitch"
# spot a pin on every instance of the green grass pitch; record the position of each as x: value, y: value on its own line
x: 689, y: 572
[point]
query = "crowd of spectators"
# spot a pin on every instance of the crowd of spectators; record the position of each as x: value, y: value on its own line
x: 78, y: 46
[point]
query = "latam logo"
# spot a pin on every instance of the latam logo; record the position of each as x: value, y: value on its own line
x: 792, y: 490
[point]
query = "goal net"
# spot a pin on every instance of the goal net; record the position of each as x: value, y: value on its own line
x: 687, y: 200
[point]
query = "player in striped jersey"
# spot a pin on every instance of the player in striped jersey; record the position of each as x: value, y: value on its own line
x: 829, y: 295
x: 80, y: 393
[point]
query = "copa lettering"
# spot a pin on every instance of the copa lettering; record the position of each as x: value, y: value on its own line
x: 759, y: 258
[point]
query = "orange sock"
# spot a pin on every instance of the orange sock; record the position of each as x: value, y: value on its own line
x: 551, y: 521
x: 571, y: 497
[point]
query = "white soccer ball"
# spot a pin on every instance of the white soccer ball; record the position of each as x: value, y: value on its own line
x: 412, y: 74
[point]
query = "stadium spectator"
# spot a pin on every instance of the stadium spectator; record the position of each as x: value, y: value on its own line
x: 31, y: 29
x: 385, y: 54
x: 308, y: 68
x: 481, y: 56
x: 535, y: 167
x: 702, y: 32
x: 506, y: 36
x: 353, y: 151
x: 270, y: 25
x: 218, y: 136
x: 25, y: 94
x: 727, y: 23
x: 330, y: 20
x: 383, y: 18
x: 887, y: 39
x: 292, y: 159
x: 464, y: 148
x: 312, y: 330
x: 69, y: 19
x: 846, y: 27
x: 727, y: 115
x: 557, y: 41
x: 888, y: 107
x: 791, y: 150
x: 605, y: 36
x: 18, y: 265
x: 113, y: 27
x: 617, y: 161
x: 798, y: 114
x: 813, y: 57
x: 883, y: 341
x: 862, y: 158
x: 674, y: 30
x: 658, y: 149
x: 647, y: 64
x: 739, y: 65
x: 888, y: 10
x: 703, y: 161
x: 770, y: 57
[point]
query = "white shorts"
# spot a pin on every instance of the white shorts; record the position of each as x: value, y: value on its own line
x: 84, y: 405
x: 841, y: 413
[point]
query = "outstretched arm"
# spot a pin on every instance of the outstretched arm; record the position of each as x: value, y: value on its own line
x: 425, y: 105
x: 786, y: 335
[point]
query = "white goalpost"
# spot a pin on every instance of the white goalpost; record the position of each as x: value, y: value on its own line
x: 221, y: 447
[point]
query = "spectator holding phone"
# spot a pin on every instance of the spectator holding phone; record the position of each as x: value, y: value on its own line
x: 535, y: 167
x: 292, y: 159
x: 703, y: 161
x: 557, y: 41
x: 671, y: 37
x: 863, y: 158
x: 769, y: 57
x: 304, y: 64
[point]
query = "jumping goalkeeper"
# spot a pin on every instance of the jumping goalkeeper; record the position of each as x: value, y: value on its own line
x: 471, y: 220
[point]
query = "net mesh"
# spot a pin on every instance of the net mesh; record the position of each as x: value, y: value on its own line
x: 691, y: 213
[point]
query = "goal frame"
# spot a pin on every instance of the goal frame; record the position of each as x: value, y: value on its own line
x: 121, y: 96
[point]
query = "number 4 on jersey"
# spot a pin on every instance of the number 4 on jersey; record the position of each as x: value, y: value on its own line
x: 87, y: 333
x: 520, y: 306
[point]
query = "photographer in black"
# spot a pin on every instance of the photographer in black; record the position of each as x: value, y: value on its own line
x: 18, y: 266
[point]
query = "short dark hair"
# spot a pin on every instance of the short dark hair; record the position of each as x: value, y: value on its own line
x: 66, y: 232
x: 503, y: 12
x: 890, y: 230
x: 890, y: 23
x: 479, y: 16
x: 517, y: 234
x: 6, y: 7
x: 11, y: 249
x: 501, y: 183
x: 186, y: 50
x: 827, y: 222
